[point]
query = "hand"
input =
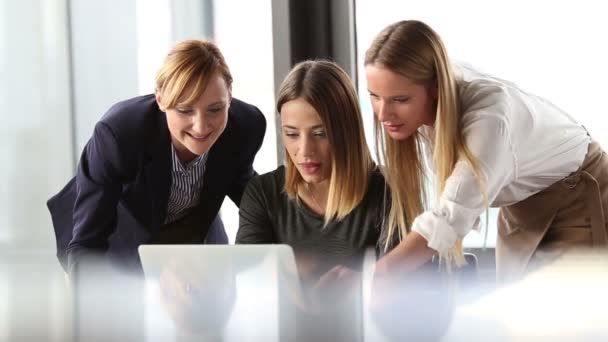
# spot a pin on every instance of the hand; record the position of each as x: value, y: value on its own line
x: 416, y: 305
x: 334, y: 289
x: 198, y: 300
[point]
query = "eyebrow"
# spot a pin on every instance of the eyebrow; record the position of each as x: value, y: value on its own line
x: 390, y: 97
x: 222, y: 103
x: 189, y: 105
x: 293, y: 127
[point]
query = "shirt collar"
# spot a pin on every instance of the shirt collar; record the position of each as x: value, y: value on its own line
x: 179, y: 167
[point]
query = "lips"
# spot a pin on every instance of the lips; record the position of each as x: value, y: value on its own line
x: 199, y: 137
x: 310, y: 167
x: 393, y: 127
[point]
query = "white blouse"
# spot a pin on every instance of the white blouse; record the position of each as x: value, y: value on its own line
x: 523, y: 144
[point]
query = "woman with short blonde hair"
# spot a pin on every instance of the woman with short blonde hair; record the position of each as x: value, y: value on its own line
x: 158, y: 166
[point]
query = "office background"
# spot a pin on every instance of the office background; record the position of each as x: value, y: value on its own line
x: 64, y: 62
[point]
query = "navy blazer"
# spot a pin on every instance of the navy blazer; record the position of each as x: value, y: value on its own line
x: 118, y: 198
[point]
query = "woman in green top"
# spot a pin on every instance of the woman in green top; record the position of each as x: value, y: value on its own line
x: 326, y: 202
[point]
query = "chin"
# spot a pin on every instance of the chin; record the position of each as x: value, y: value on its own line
x: 398, y: 135
x: 199, y: 150
x: 313, y: 179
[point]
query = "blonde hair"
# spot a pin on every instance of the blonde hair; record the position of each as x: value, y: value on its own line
x: 412, y: 49
x: 329, y: 90
x: 190, y: 63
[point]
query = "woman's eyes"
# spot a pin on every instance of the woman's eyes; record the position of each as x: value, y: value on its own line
x: 184, y: 110
x: 210, y: 111
x: 403, y: 99
x: 320, y: 134
x: 215, y: 110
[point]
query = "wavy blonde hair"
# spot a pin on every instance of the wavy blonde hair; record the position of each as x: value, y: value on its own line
x: 189, y: 63
x: 413, y: 49
x: 329, y: 90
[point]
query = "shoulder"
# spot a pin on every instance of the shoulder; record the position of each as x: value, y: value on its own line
x: 271, y: 183
x: 244, y: 132
x: 376, y: 177
x: 246, y: 117
x: 134, y: 112
x: 265, y: 191
x: 135, y: 127
x: 136, y: 119
x: 376, y: 195
x: 481, y: 93
x: 378, y: 192
x: 377, y: 187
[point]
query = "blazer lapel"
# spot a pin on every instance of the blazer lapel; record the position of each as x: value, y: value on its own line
x: 217, y: 170
x: 158, y: 174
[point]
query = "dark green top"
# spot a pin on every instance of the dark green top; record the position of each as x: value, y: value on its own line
x: 268, y: 215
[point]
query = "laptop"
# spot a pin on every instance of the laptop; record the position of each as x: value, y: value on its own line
x: 233, y: 292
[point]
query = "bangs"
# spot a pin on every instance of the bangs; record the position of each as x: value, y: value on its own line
x: 192, y: 91
x: 186, y: 84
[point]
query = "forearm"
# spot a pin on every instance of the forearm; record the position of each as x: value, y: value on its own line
x: 411, y: 253
x: 80, y: 258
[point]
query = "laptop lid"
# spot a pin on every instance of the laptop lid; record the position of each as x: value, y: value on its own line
x: 220, y: 291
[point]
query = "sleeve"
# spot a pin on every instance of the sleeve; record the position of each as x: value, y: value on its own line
x: 255, y: 226
x: 99, y: 179
x: 462, y: 201
x: 245, y: 171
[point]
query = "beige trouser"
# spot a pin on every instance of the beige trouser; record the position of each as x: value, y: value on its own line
x: 570, y: 213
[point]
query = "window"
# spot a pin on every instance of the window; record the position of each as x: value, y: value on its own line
x: 35, y: 135
x: 245, y: 37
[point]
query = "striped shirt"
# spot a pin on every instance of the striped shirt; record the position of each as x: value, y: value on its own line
x: 186, y: 185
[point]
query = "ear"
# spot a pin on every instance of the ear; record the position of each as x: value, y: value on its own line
x: 158, y: 99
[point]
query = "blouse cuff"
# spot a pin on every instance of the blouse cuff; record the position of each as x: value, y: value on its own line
x: 435, y: 228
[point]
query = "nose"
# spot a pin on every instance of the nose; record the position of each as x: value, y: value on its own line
x: 198, y: 123
x: 307, y: 147
x: 382, y: 111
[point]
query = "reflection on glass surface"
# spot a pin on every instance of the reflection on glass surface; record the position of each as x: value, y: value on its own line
x: 563, y: 301
x: 212, y: 292
x: 35, y: 299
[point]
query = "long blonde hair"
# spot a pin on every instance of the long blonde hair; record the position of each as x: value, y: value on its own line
x: 329, y: 90
x: 414, y: 50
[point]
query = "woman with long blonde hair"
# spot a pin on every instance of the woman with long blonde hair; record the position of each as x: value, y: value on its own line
x: 489, y: 144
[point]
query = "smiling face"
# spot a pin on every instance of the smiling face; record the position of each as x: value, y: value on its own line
x: 196, y: 126
x: 306, y: 141
x: 401, y: 105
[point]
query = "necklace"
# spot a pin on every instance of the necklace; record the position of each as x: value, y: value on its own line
x: 312, y: 195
